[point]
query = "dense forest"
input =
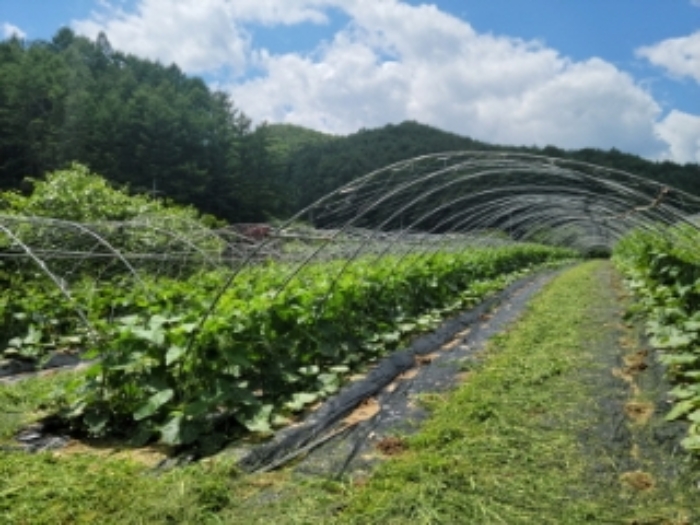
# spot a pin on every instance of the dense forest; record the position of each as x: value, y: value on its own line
x: 134, y: 121
x: 156, y: 130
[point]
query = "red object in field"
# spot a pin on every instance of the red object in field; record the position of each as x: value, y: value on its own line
x: 256, y: 232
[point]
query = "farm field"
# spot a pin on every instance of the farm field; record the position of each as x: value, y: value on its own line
x: 201, y: 348
x: 548, y: 423
x: 265, y: 352
x: 441, y: 266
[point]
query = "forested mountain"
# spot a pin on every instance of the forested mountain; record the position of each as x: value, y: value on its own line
x: 134, y: 121
x: 317, y: 169
x: 286, y: 139
x: 684, y: 177
x: 151, y: 127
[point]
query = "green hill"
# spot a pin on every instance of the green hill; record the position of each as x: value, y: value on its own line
x: 317, y: 168
x: 286, y: 139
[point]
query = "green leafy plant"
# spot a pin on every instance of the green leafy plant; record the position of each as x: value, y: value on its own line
x: 261, y: 355
x: 663, y: 269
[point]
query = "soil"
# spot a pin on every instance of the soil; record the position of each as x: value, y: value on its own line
x: 392, y: 446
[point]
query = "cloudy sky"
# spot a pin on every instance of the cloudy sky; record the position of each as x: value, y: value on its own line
x: 594, y: 73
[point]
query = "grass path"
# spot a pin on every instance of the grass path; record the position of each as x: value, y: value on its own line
x: 558, y: 425
x: 558, y: 421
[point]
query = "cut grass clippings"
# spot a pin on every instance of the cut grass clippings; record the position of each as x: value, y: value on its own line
x: 506, y: 447
x: 23, y: 402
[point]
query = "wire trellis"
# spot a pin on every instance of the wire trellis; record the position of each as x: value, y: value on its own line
x: 451, y: 201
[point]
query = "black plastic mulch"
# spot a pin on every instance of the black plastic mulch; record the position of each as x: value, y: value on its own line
x: 325, y: 444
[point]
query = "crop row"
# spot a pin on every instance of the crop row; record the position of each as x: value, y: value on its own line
x: 663, y: 268
x: 268, y: 348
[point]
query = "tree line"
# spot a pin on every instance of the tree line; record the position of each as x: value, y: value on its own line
x: 134, y: 121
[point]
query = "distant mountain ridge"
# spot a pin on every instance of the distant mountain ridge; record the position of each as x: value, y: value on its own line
x: 286, y: 139
x: 315, y: 164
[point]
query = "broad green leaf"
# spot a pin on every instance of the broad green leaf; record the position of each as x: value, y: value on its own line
x: 144, y: 432
x: 279, y: 421
x: 391, y: 337
x: 191, y: 430
x: 188, y: 328
x: 77, y: 410
x: 260, y: 422
x: 236, y: 357
x: 679, y: 340
x: 173, y: 354
x: 328, y: 378
x: 198, y: 408
x: 70, y: 340
x: 155, y: 336
x: 130, y: 320
x: 96, y: 420
x: 675, y: 339
x: 681, y: 408
x: 691, y: 442
x: 33, y: 336
x: 153, y: 404
x: 154, y: 382
x: 692, y: 326
x: 170, y: 432
x: 290, y: 378
x: 300, y: 400
x: 406, y: 327
x: 157, y: 321
x: 684, y: 392
x: 678, y: 359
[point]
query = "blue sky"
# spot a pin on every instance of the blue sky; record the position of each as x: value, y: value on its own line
x: 594, y: 73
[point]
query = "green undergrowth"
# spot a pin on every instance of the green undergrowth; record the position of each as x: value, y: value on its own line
x: 505, y: 448
x: 85, y: 489
x: 26, y: 402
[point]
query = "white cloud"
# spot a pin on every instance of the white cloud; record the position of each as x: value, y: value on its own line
x: 395, y: 61
x: 199, y: 35
x: 696, y: 3
x: 679, y: 56
x: 682, y: 132
x: 399, y: 62
x: 9, y: 30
